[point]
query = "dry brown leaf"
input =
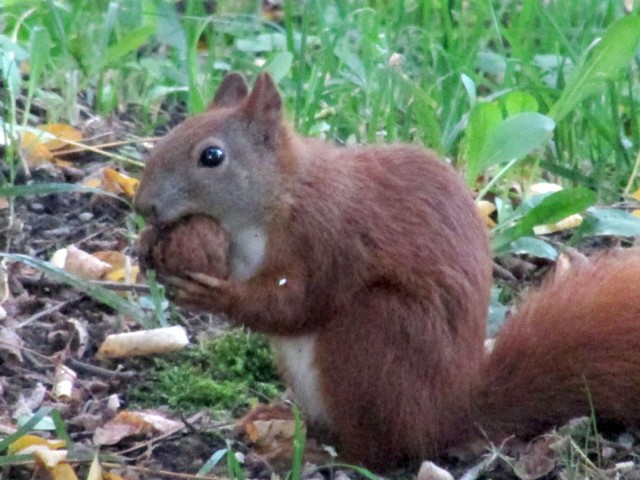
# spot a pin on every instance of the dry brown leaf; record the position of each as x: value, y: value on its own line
x: 80, y: 263
x: 271, y: 431
x: 538, y: 461
x: 128, y: 423
x: 10, y: 345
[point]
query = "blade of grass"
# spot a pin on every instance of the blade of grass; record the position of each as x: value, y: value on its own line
x: 98, y: 293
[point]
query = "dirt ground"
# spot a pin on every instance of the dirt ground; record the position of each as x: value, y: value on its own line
x: 46, y: 324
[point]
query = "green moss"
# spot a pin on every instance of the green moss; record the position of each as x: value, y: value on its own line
x: 227, y: 373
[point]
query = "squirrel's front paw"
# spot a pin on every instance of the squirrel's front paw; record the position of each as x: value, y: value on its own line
x: 199, y: 291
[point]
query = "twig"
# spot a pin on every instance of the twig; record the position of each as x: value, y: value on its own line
x: 100, y: 371
x: 43, y: 313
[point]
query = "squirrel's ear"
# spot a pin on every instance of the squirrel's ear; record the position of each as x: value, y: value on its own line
x: 231, y: 91
x: 264, y: 102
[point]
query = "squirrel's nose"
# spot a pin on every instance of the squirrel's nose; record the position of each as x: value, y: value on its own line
x: 146, y: 206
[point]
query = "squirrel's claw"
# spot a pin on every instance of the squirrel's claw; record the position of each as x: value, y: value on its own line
x: 206, y: 280
x: 198, y: 291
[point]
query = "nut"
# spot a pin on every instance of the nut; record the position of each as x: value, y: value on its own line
x: 194, y: 244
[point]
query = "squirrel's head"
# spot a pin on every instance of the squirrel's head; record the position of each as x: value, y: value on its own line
x: 228, y: 162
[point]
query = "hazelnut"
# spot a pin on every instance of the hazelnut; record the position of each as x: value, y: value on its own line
x: 193, y: 244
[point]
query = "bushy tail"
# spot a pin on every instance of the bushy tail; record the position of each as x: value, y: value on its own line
x: 574, y: 341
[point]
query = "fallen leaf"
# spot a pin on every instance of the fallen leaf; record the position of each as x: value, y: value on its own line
x: 10, y: 345
x: 29, y: 440
x: 33, y: 151
x: 567, y: 223
x: 63, y: 471
x: 121, y: 269
x: 115, y: 181
x: 47, y: 457
x: 80, y: 263
x: 61, y: 132
x: 128, y: 423
x: 486, y: 208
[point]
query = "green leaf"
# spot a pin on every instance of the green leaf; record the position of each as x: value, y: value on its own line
x: 515, y: 138
x: 483, y: 117
x: 470, y: 87
x: 609, y: 57
x: 39, y: 48
x: 519, y: 102
x: 280, y: 65
x: 551, y: 209
x: 557, y: 206
x: 98, y: 293
x: 535, y: 247
x: 608, y: 221
x: 264, y: 42
x: 128, y: 43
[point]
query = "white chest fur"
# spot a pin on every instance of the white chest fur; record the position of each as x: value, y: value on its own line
x: 247, y: 252
x: 296, y: 356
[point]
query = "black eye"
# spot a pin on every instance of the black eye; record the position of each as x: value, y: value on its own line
x: 212, y: 156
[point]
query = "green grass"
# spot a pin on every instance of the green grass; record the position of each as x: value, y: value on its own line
x: 333, y: 61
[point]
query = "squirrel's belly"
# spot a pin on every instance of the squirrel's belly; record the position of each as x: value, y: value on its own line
x: 296, y: 355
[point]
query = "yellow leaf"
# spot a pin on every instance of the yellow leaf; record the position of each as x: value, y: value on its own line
x: 46, y: 457
x: 121, y: 268
x: 63, y: 471
x: 62, y: 163
x: 126, y: 183
x: 62, y: 132
x: 566, y: 223
x: 34, y: 152
x: 31, y: 440
x: 120, y: 275
x: 636, y: 213
x: 486, y: 209
x: 95, y: 471
x: 92, y: 182
x: 636, y: 195
x: 111, y: 476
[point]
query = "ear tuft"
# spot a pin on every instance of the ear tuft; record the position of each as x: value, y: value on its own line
x: 232, y: 90
x: 264, y: 103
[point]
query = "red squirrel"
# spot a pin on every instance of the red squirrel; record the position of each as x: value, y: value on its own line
x: 369, y: 269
